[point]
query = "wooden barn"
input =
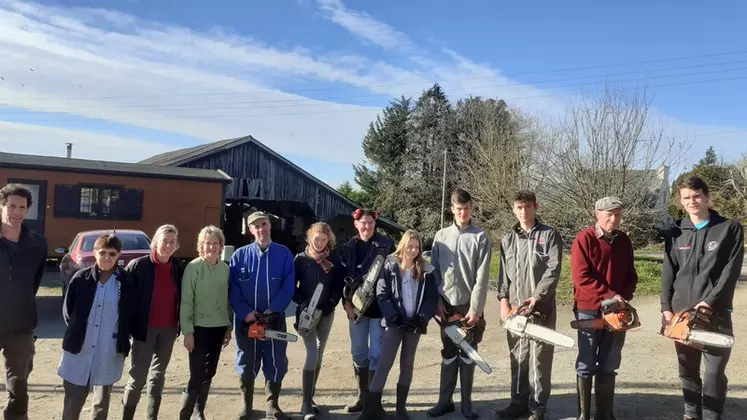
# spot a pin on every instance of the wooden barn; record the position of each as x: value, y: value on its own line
x: 264, y: 180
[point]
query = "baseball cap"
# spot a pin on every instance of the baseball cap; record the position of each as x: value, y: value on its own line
x: 608, y: 203
x: 257, y: 215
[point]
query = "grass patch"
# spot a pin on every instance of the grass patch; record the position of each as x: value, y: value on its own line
x: 649, y: 276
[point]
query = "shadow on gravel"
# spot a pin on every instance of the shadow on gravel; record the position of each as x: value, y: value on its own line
x: 49, y: 310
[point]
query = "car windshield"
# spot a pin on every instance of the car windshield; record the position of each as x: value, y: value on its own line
x: 130, y: 242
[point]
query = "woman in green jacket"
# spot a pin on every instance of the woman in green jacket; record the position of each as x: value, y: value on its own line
x: 205, y: 317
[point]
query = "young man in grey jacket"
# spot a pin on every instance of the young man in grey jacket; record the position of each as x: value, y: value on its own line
x: 531, y: 258
x: 461, y: 253
x: 23, y: 255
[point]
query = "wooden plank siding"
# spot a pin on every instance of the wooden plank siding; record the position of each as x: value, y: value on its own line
x: 246, y: 163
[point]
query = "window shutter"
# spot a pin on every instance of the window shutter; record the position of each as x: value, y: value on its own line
x: 66, y: 200
x: 129, y: 206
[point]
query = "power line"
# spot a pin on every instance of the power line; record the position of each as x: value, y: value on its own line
x: 513, y: 75
x: 244, y: 115
x: 292, y: 103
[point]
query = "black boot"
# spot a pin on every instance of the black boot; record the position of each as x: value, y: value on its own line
x: 466, y: 379
x: 247, y: 391
x: 202, y: 396
x: 307, y: 410
x: 128, y: 412
x: 154, y: 405
x: 188, y: 405
x: 513, y: 411
x: 314, y: 405
x: 604, y: 391
x: 372, y: 409
x: 272, y: 392
x: 402, y: 392
x: 361, y: 374
x: 583, y: 393
x: 445, y: 403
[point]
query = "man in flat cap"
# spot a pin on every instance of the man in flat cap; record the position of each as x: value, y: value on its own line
x: 261, y: 282
x: 601, y: 268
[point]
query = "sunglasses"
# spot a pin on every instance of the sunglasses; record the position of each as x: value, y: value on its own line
x: 110, y: 253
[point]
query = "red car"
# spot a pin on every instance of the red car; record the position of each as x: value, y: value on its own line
x: 135, y: 244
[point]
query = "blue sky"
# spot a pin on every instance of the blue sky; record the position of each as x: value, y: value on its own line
x: 126, y: 79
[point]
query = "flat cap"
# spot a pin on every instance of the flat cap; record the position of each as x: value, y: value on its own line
x: 257, y: 215
x: 608, y: 203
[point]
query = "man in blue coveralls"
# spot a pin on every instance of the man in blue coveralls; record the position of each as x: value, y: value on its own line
x: 262, y: 282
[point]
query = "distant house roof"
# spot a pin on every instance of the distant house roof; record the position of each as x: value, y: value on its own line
x: 187, y: 155
x: 19, y: 161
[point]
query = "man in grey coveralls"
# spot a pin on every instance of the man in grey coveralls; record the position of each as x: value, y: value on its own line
x: 531, y: 258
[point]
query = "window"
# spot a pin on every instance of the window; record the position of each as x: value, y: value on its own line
x: 98, y: 202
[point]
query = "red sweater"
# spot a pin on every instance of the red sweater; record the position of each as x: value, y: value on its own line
x: 163, y: 305
x: 600, y: 270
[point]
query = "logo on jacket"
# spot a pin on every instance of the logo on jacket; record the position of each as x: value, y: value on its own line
x: 712, y: 245
x: 541, y: 241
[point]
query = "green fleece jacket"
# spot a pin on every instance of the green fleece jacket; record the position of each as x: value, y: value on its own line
x: 205, y: 296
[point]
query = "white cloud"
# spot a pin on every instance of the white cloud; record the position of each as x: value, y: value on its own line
x: 50, y: 141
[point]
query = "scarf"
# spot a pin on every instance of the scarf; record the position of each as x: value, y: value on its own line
x: 320, y: 257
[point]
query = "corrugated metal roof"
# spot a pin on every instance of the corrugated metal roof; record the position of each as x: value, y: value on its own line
x: 19, y: 161
x: 184, y: 156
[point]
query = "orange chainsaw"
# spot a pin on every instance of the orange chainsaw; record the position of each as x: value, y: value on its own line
x: 697, y: 328
x: 258, y: 329
x: 616, y: 316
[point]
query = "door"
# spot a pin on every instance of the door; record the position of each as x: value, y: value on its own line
x: 37, y: 212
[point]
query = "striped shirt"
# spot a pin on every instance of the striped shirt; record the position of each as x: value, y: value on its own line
x: 98, y: 363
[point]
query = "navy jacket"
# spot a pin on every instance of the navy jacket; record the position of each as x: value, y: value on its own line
x: 702, y: 264
x: 309, y: 274
x: 143, y: 271
x: 77, y: 306
x: 20, y: 276
x: 356, y: 267
x: 389, y: 294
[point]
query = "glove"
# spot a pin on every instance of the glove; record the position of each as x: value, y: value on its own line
x: 397, y: 321
x: 419, y: 321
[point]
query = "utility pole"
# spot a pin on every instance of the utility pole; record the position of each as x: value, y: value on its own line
x: 443, y: 192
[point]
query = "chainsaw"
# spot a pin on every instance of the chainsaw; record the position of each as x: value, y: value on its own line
x: 364, y: 290
x: 523, y: 323
x: 458, y: 332
x: 697, y: 328
x: 616, y: 316
x: 310, y: 315
x: 258, y: 329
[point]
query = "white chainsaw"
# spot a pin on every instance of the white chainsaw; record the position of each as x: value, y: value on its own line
x: 310, y: 315
x: 454, y: 329
x: 365, y: 293
x: 521, y: 323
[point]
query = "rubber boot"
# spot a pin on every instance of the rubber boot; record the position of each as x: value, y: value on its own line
x: 583, y: 393
x: 372, y: 409
x: 604, y: 391
x: 247, y: 391
x: 154, y: 405
x: 187, y: 405
x: 402, y: 392
x: 202, y: 396
x: 445, y: 403
x: 128, y: 412
x: 314, y: 405
x: 307, y: 410
x: 361, y: 374
x: 466, y: 379
x: 272, y: 410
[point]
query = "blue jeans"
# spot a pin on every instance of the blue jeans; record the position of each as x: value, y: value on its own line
x: 599, y: 351
x: 365, y: 342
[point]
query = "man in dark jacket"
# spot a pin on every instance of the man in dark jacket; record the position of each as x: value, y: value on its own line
x: 23, y: 255
x: 704, y: 254
x: 357, y: 257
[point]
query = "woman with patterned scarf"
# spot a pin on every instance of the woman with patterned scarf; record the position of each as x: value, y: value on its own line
x: 316, y: 265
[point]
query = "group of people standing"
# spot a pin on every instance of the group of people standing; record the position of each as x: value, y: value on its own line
x: 140, y: 310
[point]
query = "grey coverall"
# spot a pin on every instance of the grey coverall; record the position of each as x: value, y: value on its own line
x: 530, y: 267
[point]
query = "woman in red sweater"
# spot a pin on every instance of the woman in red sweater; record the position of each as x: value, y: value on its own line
x: 157, y: 288
x: 601, y: 268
